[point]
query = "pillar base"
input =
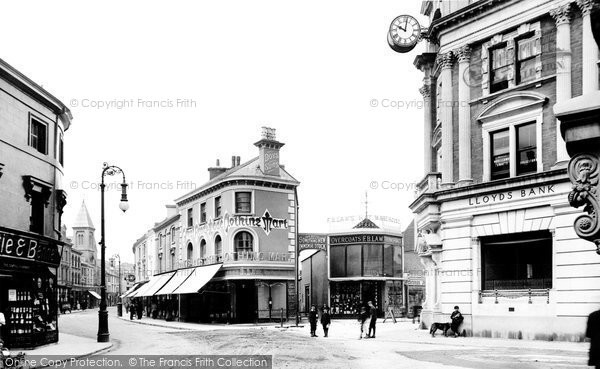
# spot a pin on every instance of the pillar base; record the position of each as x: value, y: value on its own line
x: 464, y: 182
x: 447, y: 186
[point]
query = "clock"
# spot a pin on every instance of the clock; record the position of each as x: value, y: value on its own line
x: 404, y: 33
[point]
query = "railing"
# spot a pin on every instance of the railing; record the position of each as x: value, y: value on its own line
x: 430, y: 183
x: 518, y: 284
x: 513, y: 294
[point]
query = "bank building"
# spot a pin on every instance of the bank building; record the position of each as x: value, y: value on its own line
x: 494, y: 225
x: 225, y: 251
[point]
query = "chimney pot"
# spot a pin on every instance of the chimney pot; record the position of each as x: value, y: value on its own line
x: 218, y: 163
x: 233, y: 161
x: 238, y: 159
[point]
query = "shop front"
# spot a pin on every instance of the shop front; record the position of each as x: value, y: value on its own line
x: 366, y: 267
x: 28, y: 292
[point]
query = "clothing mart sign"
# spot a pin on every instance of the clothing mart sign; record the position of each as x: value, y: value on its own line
x: 265, y: 222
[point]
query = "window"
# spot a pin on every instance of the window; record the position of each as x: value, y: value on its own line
x: 190, y: 217
x: 517, y: 261
x: 337, y: 259
x: 388, y: 260
x: 500, y: 154
x: 37, y: 213
x: 79, y: 238
x: 202, y: 249
x: 190, y: 251
x: 61, y: 150
x: 243, y: 242
x: 203, y: 212
x: 243, y: 202
x: 373, y: 263
x: 354, y: 260
x: 218, y: 207
x: 173, y: 235
x: 38, y: 135
x: 526, y: 149
x: 527, y: 50
x: 218, y: 247
x: 499, y: 68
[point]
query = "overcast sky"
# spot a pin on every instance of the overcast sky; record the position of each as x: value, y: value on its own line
x: 312, y: 69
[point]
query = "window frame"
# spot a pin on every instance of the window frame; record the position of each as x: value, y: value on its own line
x: 203, y: 213
x: 500, y: 45
x: 190, y: 217
x: 46, y: 126
x: 245, y: 249
x: 251, y: 202
x: 492, y: 156
x: 218, y: 204
x: 518, y: 149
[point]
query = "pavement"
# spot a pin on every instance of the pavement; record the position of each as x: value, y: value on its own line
x: 68, y: 347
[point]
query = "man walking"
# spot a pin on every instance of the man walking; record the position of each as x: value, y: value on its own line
x: 325, y: 320
x: 593, y: 333
x: 313, y: 318
x: 373, y: 316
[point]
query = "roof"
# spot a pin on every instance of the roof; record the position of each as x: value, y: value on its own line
x: 37, y: 92
x: 83, y: 219
x: 365, y: 223
x: 247, y: 170
x: 165, y: 222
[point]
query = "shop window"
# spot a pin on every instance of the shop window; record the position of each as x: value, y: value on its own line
x: 337, y: 259
x: 243, y: 203
x: 373, y: 260
x: 499, y: 68
x: 190, y: 217
x: 218, y: 247
x: 398, y: 271
x: 500, y: 154
x: 526, y: 149
x: 388, y: 260
x: 38, y: 136
x: 203, y: 212
x: 243, y: 242
x: 353, y: 260
x: 517, y: 261
x: 218, y: 207
x: 527, y: 50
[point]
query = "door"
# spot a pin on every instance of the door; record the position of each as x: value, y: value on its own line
x: 246, y: 301
x: 307, y: 298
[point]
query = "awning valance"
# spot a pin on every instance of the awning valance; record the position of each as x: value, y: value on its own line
x: 93, y: 293
x: 159, y: 281
x: 198, y: 278
x: 180, y: 276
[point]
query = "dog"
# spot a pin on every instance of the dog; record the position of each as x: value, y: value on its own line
x: 445, y: 327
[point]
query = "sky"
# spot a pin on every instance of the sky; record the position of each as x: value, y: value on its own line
x: 163, y: 89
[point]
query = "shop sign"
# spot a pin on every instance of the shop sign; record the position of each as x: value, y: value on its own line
x: 130, y: 278
x: 510, y: 195
x: 18, y: 245
x: 312, y: 241
x: 415, y: 282
x: 359, y: 238
x: 12, y: 295
x: 266, y: 222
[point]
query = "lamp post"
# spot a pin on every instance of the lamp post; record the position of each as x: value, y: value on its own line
x: 119, y: 302
x: 107, y: 170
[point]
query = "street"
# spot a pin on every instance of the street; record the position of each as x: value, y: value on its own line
x: 397, y: 345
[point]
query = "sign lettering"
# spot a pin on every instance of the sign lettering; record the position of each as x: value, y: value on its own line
x: 14, y: 244
x: 509, y: 195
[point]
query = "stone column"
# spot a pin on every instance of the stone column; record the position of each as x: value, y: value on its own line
x: 590, y: 49
x: 562, y: 15
x: 464, y: 116
x: 445, y: 62
x: 426, y: 92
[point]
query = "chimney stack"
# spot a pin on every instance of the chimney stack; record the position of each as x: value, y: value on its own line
x: 268, y: 148
x: 238, y: 159
x: 215, y: 171
x: 171, y: 210
x: 233, y: 161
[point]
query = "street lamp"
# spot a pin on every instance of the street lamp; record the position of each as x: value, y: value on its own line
x: 119, y: 302
x: 107, y: 170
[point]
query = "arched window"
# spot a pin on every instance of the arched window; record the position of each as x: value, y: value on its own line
x: 202, y: 249
x: 243, y: 242
x: 190, y: 251
x: 218, y: 246
x: 79, y: 238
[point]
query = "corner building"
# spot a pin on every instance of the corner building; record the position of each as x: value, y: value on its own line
x: 495, y: 229
x: 228, y: 253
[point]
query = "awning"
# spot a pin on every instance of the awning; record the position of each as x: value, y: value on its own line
x: 180, y: 276
x: 134, y: 288
x: 93, y: 293
x: 199, y: 277
x: 155, y: 284
x: 141, y: 291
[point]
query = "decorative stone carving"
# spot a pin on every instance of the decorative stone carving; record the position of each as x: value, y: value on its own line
x: 586, y: 6
x: 561, y: 14
x: 425, y: 91
x: 584, y: 172
x: 61, y: 200
x: 463, y: 54
x: 1, y: 167
x: 33, y: 185
x: 446, y: 60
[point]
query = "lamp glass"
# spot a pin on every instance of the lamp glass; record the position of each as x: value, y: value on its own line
x: 124, y: 205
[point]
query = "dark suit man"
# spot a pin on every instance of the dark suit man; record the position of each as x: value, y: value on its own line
x: 593, y: 333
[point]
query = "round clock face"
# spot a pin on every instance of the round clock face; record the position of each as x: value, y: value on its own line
x: 404, y: 33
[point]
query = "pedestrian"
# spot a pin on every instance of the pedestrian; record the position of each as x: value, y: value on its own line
x: 457, y: 318
x: 140, y: 309
x: 593, y: 333
x: 313, y: 318
x: 325, y: 320
x: 373, y: 321
x: 362, y: 319
x: 131, y: 310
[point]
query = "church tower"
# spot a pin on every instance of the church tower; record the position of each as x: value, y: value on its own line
x: 83, y: 236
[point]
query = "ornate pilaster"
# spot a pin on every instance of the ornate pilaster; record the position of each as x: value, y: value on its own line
x: 445, y: 62
x: 561, y: 14
x: 463, y: 55
x: 589, y: 47
x: 427, y: 127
